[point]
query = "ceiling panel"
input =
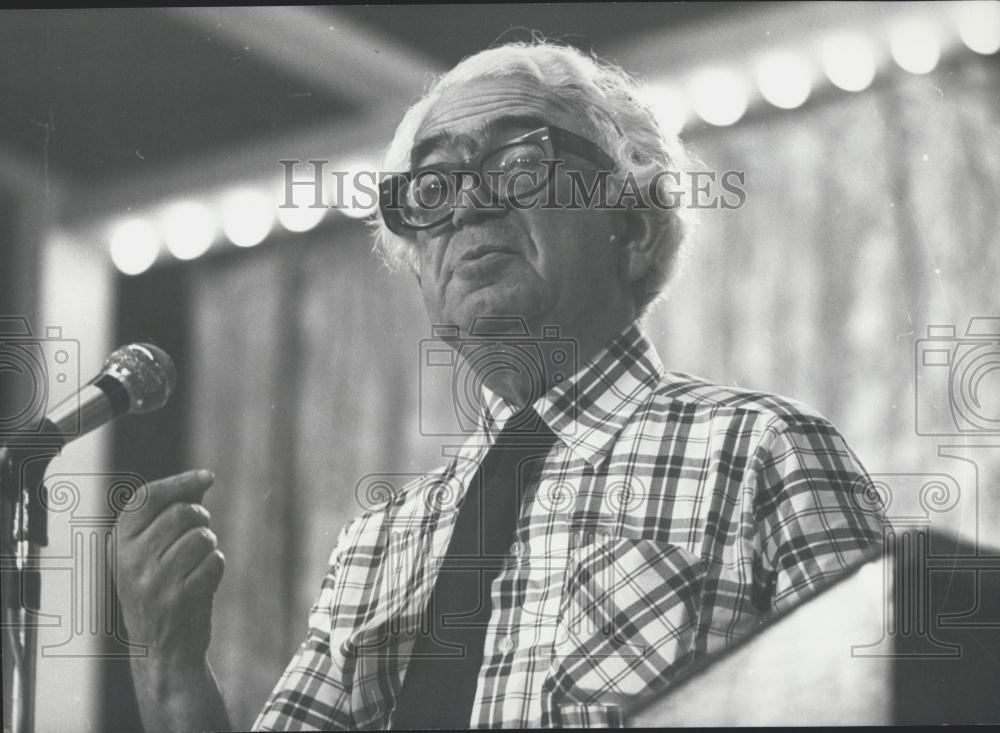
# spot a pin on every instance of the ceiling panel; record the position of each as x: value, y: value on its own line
x: 451, y: 31
x: 99, y: 96
x: 100, y: 93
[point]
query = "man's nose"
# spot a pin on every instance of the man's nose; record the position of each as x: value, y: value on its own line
x: 473, y: 203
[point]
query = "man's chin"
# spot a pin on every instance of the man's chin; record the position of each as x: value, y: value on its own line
x: 497, y: 317
x: 497, y: 302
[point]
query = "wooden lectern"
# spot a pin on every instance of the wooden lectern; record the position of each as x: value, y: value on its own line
x: 910, y: 637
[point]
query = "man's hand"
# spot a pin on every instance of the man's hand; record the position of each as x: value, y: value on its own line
x: 168, y: 569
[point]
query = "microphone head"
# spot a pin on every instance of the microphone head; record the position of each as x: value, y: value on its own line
x: 146, y: 372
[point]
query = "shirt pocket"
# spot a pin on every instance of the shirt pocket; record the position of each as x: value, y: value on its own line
x: 628, y: 621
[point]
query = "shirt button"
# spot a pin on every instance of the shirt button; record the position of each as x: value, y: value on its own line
x: 517, y: 549
x: 505, y: 645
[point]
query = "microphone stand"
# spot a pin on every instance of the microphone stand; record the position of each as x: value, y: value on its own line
x: 24, y: 531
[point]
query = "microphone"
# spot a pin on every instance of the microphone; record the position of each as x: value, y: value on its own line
x: 135, y: 379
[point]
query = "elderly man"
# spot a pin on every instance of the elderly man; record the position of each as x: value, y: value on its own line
x: 605, y: 524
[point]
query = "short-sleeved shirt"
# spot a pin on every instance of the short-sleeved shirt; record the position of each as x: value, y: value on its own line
x: 670, y: 518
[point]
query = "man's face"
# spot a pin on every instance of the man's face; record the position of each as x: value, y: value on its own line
x: 547, y: 266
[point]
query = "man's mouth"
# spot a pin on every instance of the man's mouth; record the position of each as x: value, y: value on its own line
x: 481, y: 251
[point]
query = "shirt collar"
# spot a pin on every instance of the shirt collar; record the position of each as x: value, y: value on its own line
x: 588, y: 410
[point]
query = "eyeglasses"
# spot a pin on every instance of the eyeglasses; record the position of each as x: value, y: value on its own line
x: 427, y: 196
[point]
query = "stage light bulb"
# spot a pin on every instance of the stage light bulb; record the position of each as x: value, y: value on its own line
x: 247, y: 216
x: 189, y: 229
x: 720, y: 97
x: 356, y: 194
x: 784, y: 80
x: 915, y: 46
x: 302, y: 216
x: 669, y: 107
x: 849, y: 62
x: 979, y: 25
x: 134, y: 246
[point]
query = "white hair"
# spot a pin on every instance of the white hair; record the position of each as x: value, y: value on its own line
x: 609, y: 101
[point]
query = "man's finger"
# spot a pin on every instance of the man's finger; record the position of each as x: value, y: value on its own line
x: 156, y: 496
x: 207, y: 575
x: 188, y: 551
x: 170, y: 525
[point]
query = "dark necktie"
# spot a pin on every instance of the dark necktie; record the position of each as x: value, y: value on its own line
x: 440, y: 684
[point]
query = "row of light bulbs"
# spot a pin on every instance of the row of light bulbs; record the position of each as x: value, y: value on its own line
x: 245, y: 216
x: 720, y: 97
x: 849, y: 61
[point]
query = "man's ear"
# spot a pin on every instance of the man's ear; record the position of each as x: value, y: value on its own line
x: 637, y: 242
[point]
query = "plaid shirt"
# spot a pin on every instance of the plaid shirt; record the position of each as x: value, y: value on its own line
x: 669, y: 518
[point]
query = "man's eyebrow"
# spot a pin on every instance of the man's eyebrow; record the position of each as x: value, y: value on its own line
x: 496, y: 126
x: 423, y: 148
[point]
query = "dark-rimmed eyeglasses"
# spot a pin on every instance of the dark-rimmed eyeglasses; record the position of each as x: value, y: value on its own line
x: 518, y: 168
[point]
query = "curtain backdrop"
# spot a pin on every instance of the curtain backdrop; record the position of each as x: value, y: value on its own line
x: 869, y: 217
